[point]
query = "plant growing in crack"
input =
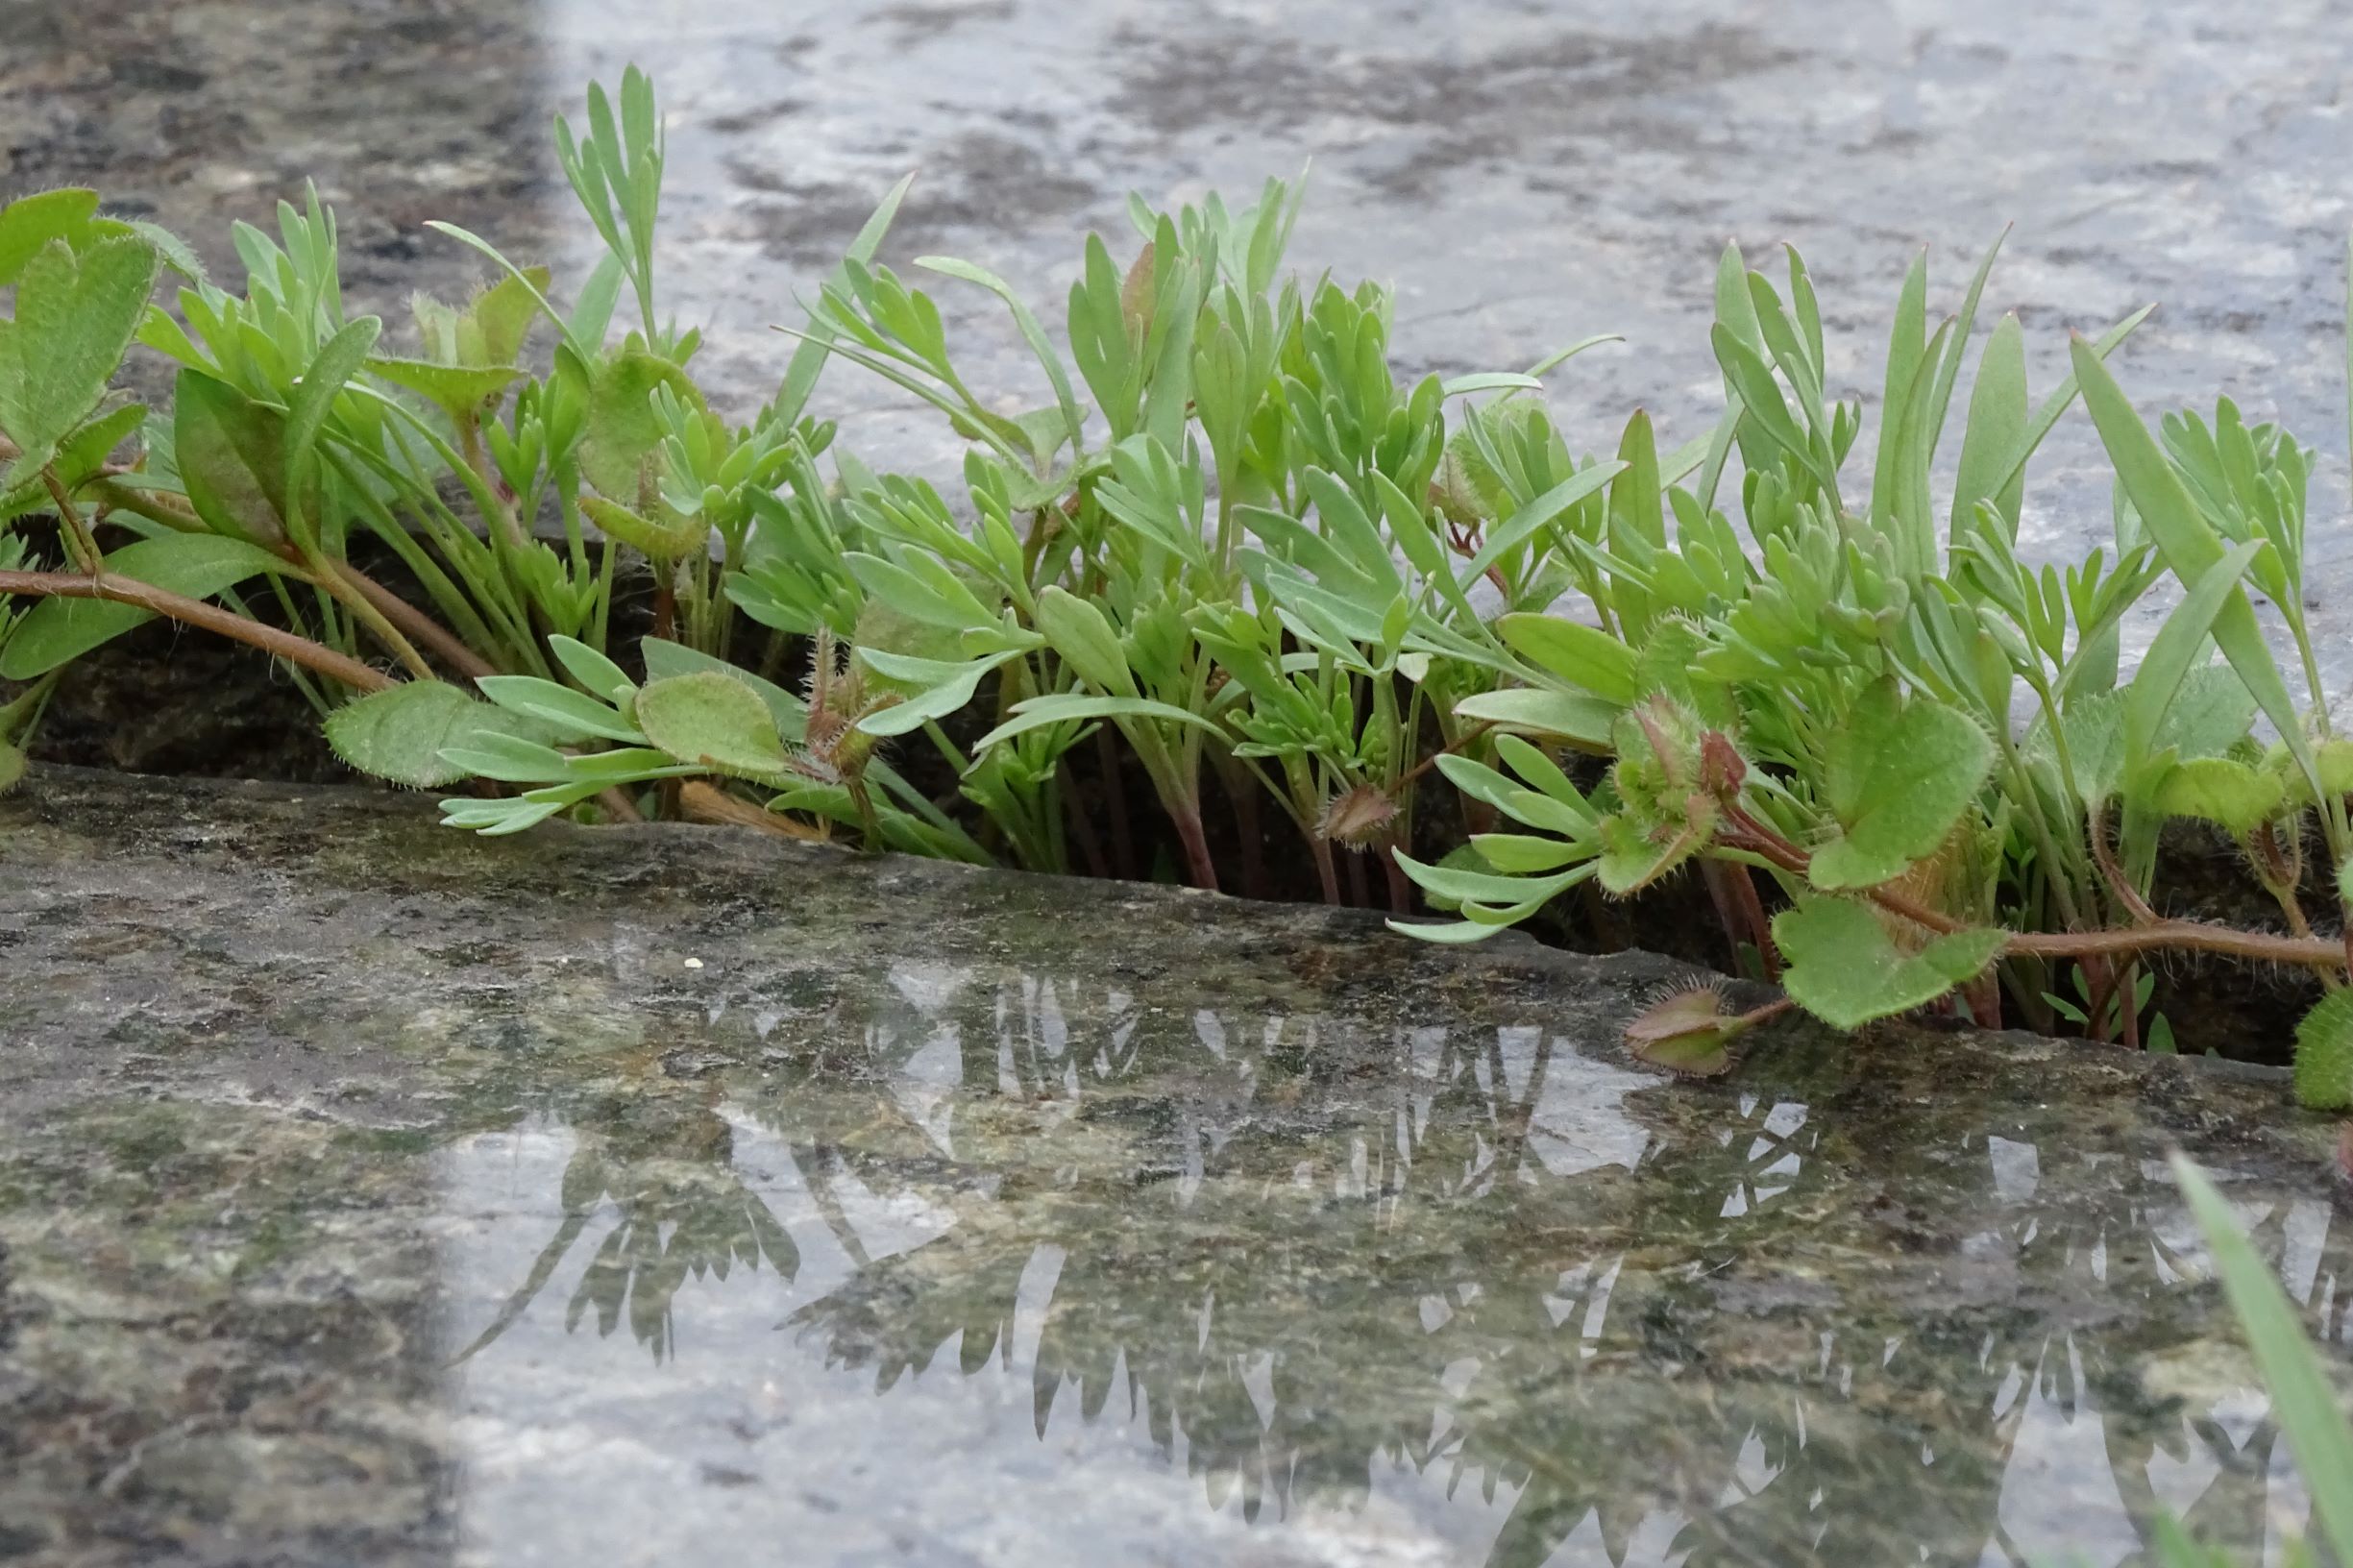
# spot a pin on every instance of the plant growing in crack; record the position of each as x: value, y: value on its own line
x: 1834, y: 710
x: 1228, y: 558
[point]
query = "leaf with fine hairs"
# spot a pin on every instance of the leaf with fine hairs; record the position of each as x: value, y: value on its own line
x: 1897, y: 775
x: 2324, y: 1054
x: 711, y: 720
x: 1845, y: 970
x: 401, y: 734
x: 1685, y: 1032
x: 76, y: 312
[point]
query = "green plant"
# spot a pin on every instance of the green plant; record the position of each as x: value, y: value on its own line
x: 2301, y: 1392
x: 1227, y: 555
x: 1830, y: 701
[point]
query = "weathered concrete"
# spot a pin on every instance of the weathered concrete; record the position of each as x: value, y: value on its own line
x: 370, y: 1193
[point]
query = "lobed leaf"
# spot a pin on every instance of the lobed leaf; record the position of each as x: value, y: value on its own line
x: 1898, y: 776
x: 1845, y: 968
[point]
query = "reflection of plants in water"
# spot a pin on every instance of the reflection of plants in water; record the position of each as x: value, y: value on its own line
x: 1297, y: 1252
x: 684, y: 1212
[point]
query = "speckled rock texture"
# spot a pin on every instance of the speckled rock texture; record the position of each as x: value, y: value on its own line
x: 369, y: 1194
x: 373, y: 1194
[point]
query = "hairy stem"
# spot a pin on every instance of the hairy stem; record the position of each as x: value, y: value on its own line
x: 445, y: 644
x: 2189, y: 936
x: 77, y: 541
x: 195, y: 612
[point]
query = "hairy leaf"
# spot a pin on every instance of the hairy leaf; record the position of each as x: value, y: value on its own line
x: 401, y: 734
x: 2220, y: 789
x: 1687, y: 1033
x: 29, y: 223
x: 718, y: 723
x: 459, y: 389
x: 1897, y: 776
x: 1845, y: 969
x: 2324, y: 1054
x: 75, y: 313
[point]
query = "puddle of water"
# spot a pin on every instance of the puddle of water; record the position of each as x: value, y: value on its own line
x: 1001, y: 1267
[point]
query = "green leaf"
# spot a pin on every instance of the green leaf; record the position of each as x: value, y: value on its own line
x: 1525, y: 854
x: 1040, y: 711
x: 1584, y: 656
x: 1490, y: 380
x: 232, y: 453
x: 599, y: 675
x: 1027, y: 323
x: 28, y: 224
x: 1585, y: 721
x: 939, y: 686
x: 195, y: 565
x: 1907, y: 346
x: 570, y: 715
x: 1997, y: 425
x: 938, y: 598
x: 1845, y: 969
x: 336, y: 362
x: 2324, y: 1054
x: 2189, y: 547
x: 510, y: 759
x: 1515, y: 530
x: 1486, y: 888
x: 2179, y: 644
x: 1081, y: 634
x: 2220, y: 789
x: 808, y: 362
x: 400, y: 734
x: 458, y: 389
x: 1446, y: 932
x: 2304, y: 1398
x: 1897, y: 777
x: 715, y: 721
x: 75, y: 313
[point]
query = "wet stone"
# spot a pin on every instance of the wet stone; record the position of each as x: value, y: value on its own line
x: 370, y: 1193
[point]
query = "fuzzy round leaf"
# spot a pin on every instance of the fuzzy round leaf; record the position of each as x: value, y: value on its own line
x: 715, y: 721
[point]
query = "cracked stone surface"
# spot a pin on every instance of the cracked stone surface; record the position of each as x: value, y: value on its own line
x: 372, y: 1193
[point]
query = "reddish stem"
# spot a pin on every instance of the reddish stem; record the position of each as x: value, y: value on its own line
x: 195, y: 612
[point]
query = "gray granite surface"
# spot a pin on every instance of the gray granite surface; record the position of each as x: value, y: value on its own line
x: 373, y: 1194
x: 1524, y: 172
